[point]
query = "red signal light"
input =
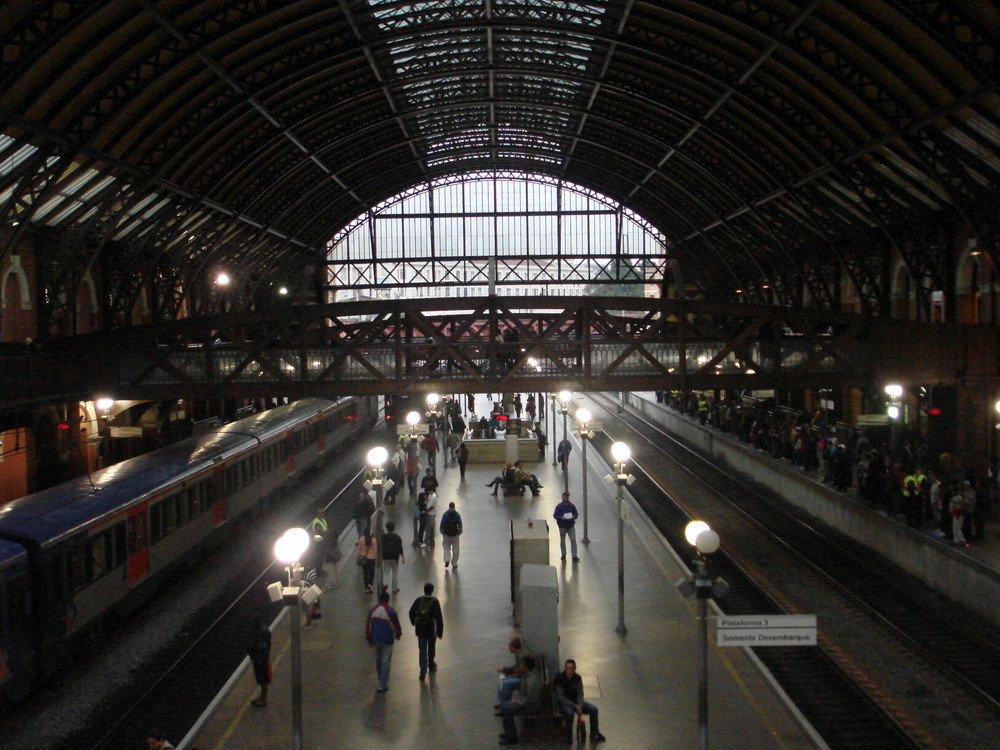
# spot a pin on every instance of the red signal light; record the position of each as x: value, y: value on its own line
x: 934, y: 412
x: 63, y: 426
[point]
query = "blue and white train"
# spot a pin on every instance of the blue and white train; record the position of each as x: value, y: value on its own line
x: 95, y: 547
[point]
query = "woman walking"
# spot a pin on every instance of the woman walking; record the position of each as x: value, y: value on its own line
x: 365, y: 552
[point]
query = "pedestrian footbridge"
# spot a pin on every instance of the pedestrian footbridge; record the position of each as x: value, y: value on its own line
x: 494, y: 344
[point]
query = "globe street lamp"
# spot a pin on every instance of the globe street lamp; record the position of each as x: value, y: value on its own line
x: 564, y: 398
x: 289, y: 550
x: 621, y: 453
x: 895, y: 392
x: 583, y: 416
x: 376, y: 459
x: 706, y: 542
x: 552, y: 433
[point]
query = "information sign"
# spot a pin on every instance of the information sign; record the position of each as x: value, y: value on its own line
x: 766, y: 630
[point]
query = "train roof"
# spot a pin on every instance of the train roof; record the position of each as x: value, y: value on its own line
x: 53, y: 512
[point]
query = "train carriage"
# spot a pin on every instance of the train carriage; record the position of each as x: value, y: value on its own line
x: 97, y: 545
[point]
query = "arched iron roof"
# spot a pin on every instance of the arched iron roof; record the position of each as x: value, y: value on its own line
x: 759, y: 135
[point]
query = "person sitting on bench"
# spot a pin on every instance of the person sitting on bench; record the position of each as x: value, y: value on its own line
x: 525, y: 478
x: 504, y: 477
x: 526, y: 700
x: 568, y: 689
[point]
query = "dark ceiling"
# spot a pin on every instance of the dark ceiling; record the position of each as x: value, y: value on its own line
x: 758, y: 136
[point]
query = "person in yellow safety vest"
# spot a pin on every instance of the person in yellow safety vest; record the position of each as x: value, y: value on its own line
x: 911, y: 500
x: 320, y: 530
x: 703, y: 410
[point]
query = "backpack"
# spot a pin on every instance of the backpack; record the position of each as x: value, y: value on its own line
x: 450, y: 527
x: 425, y: 614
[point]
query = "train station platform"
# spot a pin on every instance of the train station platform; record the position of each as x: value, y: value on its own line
x: 968, y: 574
x: 644, y: 682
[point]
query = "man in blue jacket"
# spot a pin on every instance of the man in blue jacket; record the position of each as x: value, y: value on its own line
x: 381, y: 631
x: 566, y: 515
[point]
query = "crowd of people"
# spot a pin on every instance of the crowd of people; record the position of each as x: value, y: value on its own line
x: 898, y: 477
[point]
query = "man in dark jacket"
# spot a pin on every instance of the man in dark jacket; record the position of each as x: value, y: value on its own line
x: 364, y: 508
x: 392, y: 554
x: 451, y: 530
x: 428, y: 623
x: 568, y: 690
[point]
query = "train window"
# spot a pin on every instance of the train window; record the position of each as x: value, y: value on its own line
x: 181, y: 504
x: 76, y: 561
x: 100, y: 553
x: 119, y: 550
x: 194, y: 501
x: 156, y: 523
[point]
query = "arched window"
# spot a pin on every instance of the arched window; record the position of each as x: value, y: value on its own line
x: 503, y: 233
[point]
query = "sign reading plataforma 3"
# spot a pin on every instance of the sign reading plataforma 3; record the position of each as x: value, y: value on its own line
x: 766, y: 630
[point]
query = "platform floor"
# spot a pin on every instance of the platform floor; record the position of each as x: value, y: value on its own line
x: 644, y: 682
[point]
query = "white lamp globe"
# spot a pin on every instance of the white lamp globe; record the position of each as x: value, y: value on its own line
x: 222, y: 279
x: 997, y: 406
x: 707, y: 542
x: 621, y: 452
x: 433, y: 399
x: 289, y: 548
x: 693, y: 529
x: 583, y: 415
x: 105, y: 403
x: 377, y: 456
x: 894, y: 391
x: 412, y: 418
x: 893, y: 412
x: 565, y: 396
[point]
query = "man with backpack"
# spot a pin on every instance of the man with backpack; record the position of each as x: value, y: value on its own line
x: 451, y: 530
x: 428, y: 624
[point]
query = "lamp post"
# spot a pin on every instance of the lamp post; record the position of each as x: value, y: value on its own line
x: 621, y: 453
x: 552, y: 433
x: 706, y: 542
x: 564, y: 399
x: 376, y: 459
x: 895, y: 393
x: 583, y: 416
x: 289, y: 550
x: 433, y: 414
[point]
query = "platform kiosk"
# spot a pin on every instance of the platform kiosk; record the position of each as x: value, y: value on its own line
x: 529, y: 543
x: 540, y: 611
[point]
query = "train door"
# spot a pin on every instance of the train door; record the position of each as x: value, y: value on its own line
x: 137, y: 529
x: 219, y: 511
x: 321, y: 424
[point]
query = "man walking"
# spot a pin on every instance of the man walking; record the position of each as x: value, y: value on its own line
x: 392, y: 555
x: 563, y: 450
x: 451, y: 530
x: 427, y: 518
x: 320, y: 530
x: 462, y: 456
x: 428, y: 624
x: 364, y: 509
x: 381, y: 631
x: 566, y: 515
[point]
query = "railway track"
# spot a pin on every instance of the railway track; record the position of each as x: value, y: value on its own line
x: 917, y: 674
x: 175, y: 698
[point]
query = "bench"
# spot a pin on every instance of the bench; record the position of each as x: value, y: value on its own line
x: 512, y: 488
